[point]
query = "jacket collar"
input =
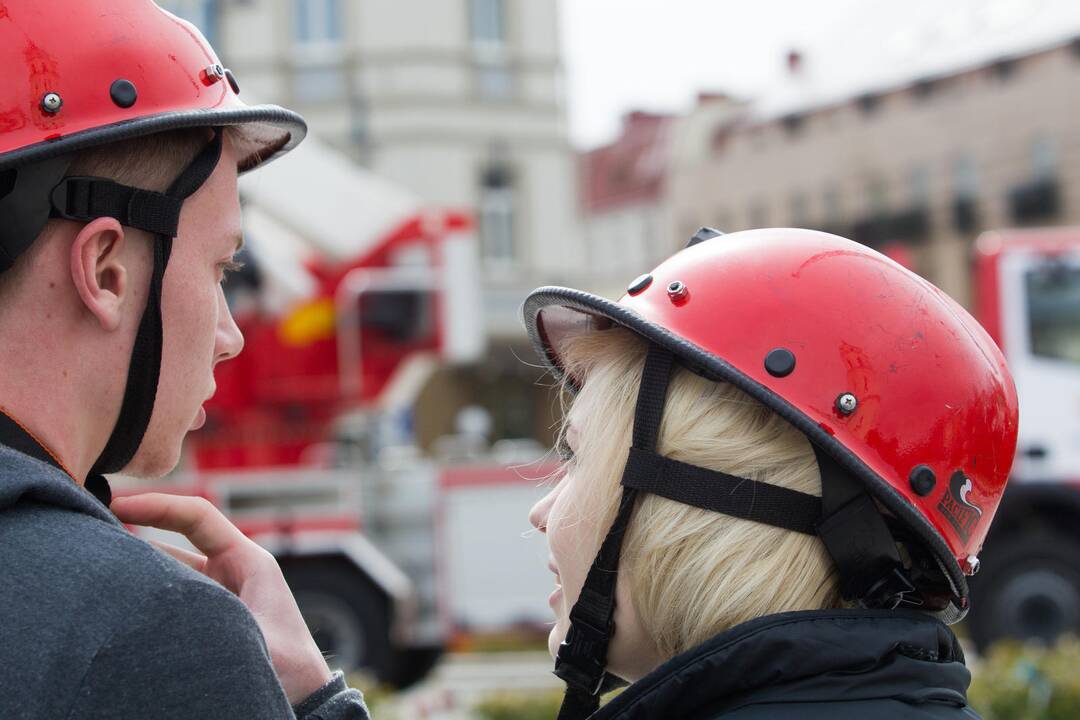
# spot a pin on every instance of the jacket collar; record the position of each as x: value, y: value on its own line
x: 804, y: 657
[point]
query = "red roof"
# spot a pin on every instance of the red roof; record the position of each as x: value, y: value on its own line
x: 629, y: 171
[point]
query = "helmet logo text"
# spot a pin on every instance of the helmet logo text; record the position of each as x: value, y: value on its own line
x: 961, y: 513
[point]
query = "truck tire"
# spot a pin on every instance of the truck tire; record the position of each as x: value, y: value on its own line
x: 1029, y: 588
x: 347, y: 614
x: 412, y: 664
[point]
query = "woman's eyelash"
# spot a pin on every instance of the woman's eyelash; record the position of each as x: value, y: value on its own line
x: 565, y: 453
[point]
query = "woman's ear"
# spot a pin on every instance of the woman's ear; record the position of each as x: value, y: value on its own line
x: 97, y: 270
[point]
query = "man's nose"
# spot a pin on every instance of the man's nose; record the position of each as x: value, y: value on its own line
x: 230, y: 341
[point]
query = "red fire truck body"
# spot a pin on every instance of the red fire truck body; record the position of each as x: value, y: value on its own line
x: 1028, y: 298
x: 388, y: 552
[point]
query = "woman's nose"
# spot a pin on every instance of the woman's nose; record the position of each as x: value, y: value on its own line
x: 538, y: 516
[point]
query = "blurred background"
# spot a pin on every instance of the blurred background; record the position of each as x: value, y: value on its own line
x: 387, y: 427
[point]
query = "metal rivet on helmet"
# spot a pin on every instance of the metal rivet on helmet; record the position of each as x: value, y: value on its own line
x: 677, y: 290
x: 123, y: 93
x: 232, y: 81
x: 847, y: 403
x: 52, y: 103
x: 212, y: 74
x: 639, y: 284
x: 922, y: 480
x: 780, y: 362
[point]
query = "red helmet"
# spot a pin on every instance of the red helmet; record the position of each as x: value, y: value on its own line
x: 879, y: 368
x: 78, y: 74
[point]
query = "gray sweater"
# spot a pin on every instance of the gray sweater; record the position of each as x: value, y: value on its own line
x: 99, y: 624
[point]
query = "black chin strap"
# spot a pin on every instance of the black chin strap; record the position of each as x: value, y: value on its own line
x: 84, y: 199
x: 582, y: 657
x: 845, y: 517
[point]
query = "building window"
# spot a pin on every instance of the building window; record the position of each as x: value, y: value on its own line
x: 318, y: 24
x: 920, y: 186
x: 965, y: 195
x: 1044, y: 159
x: 965, y: 178
x: 496, y: 210
x: 487, y: 23
x: 1004, y: 69
x: 487, y: 28
x: 319, y: 73
x: 868, y: 103
x: 923, y: 89
x: 877, y: 195
x: 1039, y: 199
x: 494, y: 81
x: 203, y: 14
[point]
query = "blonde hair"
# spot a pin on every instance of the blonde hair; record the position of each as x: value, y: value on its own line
x: 693, y: 573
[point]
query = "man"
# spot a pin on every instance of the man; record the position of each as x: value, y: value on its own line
x: 121, y: 138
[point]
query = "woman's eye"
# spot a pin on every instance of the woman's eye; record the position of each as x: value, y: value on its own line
x: 565, y: 453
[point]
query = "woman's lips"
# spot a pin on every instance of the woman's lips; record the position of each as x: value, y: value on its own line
x: 557, y: 594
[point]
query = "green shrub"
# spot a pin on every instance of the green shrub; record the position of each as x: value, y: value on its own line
x: 520, y: 706
x: 1027, y: 682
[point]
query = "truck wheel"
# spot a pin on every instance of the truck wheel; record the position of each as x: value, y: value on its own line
x: 1029, y: 588
x: 346, y: 613
x: 412, y: 664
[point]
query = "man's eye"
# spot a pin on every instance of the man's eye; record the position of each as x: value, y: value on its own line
x: 229, y: 266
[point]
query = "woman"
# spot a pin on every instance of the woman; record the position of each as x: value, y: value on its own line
x: 783, y: 454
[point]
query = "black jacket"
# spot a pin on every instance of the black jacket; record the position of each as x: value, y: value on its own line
x: 821, y: 665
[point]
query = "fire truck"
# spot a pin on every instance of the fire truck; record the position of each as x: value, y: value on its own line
x: 356, y: 294
x: 353, y: 296
x: 1028, y: 298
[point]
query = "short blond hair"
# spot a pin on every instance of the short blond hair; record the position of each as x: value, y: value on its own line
x: 693, y: 573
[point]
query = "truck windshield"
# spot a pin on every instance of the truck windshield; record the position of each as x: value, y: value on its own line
x: 1053, y: 295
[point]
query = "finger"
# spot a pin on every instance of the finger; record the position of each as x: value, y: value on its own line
x: 193, y: 517
x: 192, y: 560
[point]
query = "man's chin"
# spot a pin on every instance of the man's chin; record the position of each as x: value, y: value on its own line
x: 152, y: 463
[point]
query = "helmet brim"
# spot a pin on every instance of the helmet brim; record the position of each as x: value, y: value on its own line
x: 264, y: 133
x: 555, y: 315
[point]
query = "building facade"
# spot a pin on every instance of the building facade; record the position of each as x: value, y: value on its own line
x: 625, y: 215
x: 916, y: 170
x: 460, y: 101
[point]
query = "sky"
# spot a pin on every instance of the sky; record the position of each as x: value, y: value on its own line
x: 657, y: 55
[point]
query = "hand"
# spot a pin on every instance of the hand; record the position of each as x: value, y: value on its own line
x: 242, y: 566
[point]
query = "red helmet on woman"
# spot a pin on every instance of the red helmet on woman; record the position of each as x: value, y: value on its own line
x: 905, y: 398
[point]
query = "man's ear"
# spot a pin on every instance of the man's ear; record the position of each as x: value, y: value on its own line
x: 100, y: 278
